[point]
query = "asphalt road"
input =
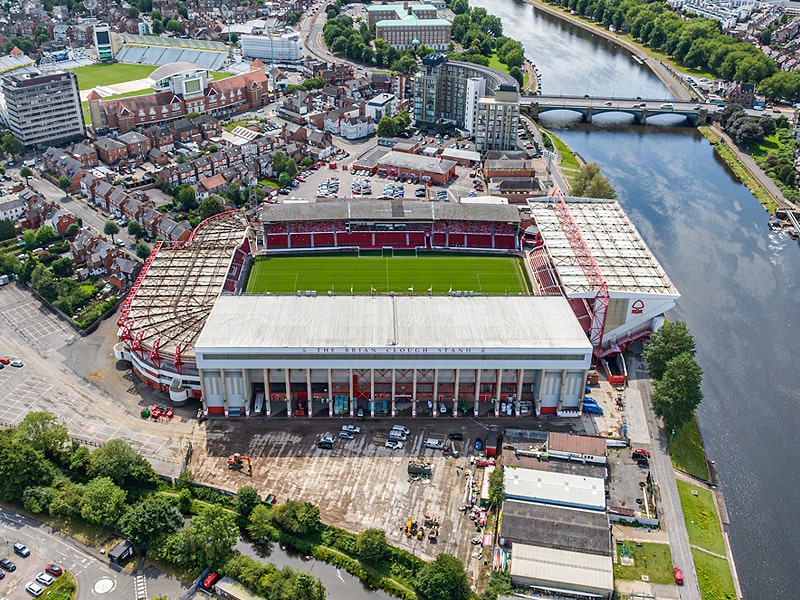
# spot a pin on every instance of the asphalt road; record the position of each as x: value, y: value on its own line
x: 661, y: 467
x: 95, y: 578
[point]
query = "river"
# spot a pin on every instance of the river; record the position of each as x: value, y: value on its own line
x: 739, y: 283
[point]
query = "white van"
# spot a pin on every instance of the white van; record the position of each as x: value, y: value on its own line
x: 404, y: 430
x: 667, y: 106
x: 434, y: 444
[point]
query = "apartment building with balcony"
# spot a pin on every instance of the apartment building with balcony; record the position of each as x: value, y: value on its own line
x: 496, y: 120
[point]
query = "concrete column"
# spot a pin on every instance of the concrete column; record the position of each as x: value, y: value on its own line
x: 498, y: 385
x: 394, y: 408
x: 352, y: 394
x: 203, y: 391
x: 247, y: 394
x: 455, y: 394
x: 540, y: 389
x: 435, y: 393
x: 309, y: 396
x: 583, y: 385
x: 267, y: 395
x: 288, y: 379
x: 372, y: 393
x: 414, y: 395
x: 561, y: 389
x: 224, y: 384
x: 330, y: 392
x: 477, y: 391
x: 518, y: 399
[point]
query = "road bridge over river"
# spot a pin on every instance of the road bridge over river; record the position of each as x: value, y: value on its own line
x: 640, y: 108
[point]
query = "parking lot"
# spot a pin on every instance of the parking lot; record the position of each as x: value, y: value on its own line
x: 359, y: 483
x: 41, y: 385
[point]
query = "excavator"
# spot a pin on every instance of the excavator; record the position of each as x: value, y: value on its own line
x: 237, y: 461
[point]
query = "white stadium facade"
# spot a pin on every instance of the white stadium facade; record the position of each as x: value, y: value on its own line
x: 188, y: 330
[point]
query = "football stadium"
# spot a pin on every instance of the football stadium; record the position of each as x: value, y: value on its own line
x: 392, y: 308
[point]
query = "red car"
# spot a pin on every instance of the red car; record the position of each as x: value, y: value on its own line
x: 5, y: 360
x: 678, y: 573
x: 642, y: 451
x: 54, y: 570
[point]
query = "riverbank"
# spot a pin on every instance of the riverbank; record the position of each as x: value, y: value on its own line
x: 666, y: 74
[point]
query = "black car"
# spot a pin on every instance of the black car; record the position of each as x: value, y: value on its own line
x: 7, y: 565
x: 22, y: 550
x: 455, y: 437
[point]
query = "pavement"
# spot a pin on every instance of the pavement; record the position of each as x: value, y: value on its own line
x: 96, y: 578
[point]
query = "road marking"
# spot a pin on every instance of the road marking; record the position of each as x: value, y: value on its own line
x: 104, y: 585
x: 140, y: 586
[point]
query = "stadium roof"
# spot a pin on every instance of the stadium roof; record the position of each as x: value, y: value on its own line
x: 181, y: 284
x: 623, y: 258
x: 176, y: 42
x: 562, y: 569
x: 556, y: 527
x: 174, y: 69
x: 386, y: 322
x: 388, y: 210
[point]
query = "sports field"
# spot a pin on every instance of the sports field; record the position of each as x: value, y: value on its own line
x: 423, y: 275
x: 112, y: 73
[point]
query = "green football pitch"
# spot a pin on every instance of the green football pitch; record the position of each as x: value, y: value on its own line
x: 426, y: 274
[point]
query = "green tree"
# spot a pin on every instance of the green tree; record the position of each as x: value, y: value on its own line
x: 45, y: 234
x: 117, y: 460
x: 112, y: 229
x: 44, y: 282
x: 517, y: 74
x: 26, y: 173
x: 406, y: 64
x: 499, y: 585
x: 497, y: 489
x: 62, y: 267
x: 677, y: 394
x: 260, y: 524
x: 7, y: 230
x: 158, y: 27
x: 213, y: 533
x: 103, y: 501
x: 67, y: 499
x: 284, y: 179
x: 136, y: 229
x: 174, y: 26
x: 247, y: 498
x: 209, y: 207
x: 150, y: 521
x: 300, y: 518
x: 64, y: 182
x: 142, y: 250
x: 590, y: 183
x: 73, y: 229
x: 21, y: 466
x: 44, y: 432
x: 671, y: 340
x: 185, y: 501
x: 11, y: 145
x: 371, y: 544
x: 186, y: 198
x: 387, y: 127
x: 442, y: 579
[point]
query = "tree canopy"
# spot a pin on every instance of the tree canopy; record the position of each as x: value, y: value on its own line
x: 442, y: 579
x: 150, y: 521
x: 590, y: 183
x: 677, y: 394
x: 671, y: 340
x: 117, y: 460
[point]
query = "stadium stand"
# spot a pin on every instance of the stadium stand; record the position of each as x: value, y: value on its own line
x: 156, y: 50
x: 235, y: 276
x: 544, y: 272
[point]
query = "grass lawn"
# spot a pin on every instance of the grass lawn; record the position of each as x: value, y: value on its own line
x: 700, y: 515
x: 686, y: 450
x: 770, y: 144
x: 487, y: 275
x: 653, y: 560
x: 713, y: 576
x: 110, y: 73
x: 63, y: 588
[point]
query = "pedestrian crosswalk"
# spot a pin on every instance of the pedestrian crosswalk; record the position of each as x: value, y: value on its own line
x: 140, y: 587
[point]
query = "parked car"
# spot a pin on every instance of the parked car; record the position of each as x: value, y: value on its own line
x: 478, y: 444
x: 54, y: 570
x: 642, y: 451
x: 346, y: 435
x: 405, y: 430
x: 351, y: 428
x: 45, y: 578
x: 394, y: 445
x: 455, y: 437
x: 7, y: 564
x: 21, y: 550
x: 34, y: 589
